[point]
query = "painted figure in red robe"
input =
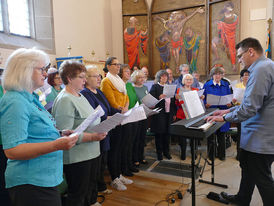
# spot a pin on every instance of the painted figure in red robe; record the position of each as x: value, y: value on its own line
x: 134, y: 39
x: 227, y: 32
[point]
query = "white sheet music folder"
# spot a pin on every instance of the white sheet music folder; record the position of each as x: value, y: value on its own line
x: 192, y: 104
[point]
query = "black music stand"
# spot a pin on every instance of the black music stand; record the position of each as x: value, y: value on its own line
x: 212, y: 182
x: 178, y: 128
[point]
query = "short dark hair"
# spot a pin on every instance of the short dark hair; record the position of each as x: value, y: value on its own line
x: 243, y: 71
x: 250, y: 43
x: 108, y: 62
x: 123, y: 66
x: 70, y: 69
x: 51, y: 77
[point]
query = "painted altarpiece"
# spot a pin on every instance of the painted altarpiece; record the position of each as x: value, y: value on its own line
x: 195, y: 32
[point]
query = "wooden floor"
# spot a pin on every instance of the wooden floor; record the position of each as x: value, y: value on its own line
x: 145, y: 191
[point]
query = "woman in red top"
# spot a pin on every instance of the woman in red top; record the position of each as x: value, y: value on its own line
x: 187, y: 86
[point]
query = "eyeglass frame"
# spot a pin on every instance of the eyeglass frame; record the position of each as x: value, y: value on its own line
x: 94, y: 76
x: 43, y: 69
x: 116, y: 64
x: 241, y: 55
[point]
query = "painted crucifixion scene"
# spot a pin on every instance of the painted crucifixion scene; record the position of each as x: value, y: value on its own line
x: 177, y: 42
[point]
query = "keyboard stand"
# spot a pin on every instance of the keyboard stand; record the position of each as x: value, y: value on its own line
x: 212, y: 182
x: 179, y: 128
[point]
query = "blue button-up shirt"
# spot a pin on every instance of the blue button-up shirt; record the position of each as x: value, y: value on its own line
x: 257, y: 109
x: 24, y: 120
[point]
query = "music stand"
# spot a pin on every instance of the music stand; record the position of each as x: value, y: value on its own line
x: 178, y: 128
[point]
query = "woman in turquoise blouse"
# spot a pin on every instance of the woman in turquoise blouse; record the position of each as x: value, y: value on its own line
x: 30, y: 140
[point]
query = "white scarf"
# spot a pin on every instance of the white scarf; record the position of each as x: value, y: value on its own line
x: 117, y: 82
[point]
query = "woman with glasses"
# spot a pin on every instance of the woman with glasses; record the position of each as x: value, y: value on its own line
x: 81, y: 163
x: 217, y: 86
x: 55, y: 81
x: 96, y: 97
x: 161, y: 122
x: 30, y: 140
x: 114, y: 89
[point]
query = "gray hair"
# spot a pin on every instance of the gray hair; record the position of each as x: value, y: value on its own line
x: 159, y: 74
x: 185, y: 76
x: 135, y: 74
x: 19, y: 68
x: 183, y: 66
x: 91, y: 67
x: 216, y: 70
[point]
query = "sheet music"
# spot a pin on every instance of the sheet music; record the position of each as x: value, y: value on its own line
x: 98, y: 112
x: 227, y: 99
x: 238, y: 93
x: 233, y: 83
x: 150, y: 112
x: 110, y: 123
x: 193, y: 104
x: 150, y: 101
x: 219, y: 100
x: 169, y: 90
x: 137, y: 114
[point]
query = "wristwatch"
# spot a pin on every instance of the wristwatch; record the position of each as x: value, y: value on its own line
x: 224, y: 117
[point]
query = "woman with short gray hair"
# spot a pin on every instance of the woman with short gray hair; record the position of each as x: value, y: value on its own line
x: 187, y: 83
x: 216, y: 70
x: 217, y: 86
x: 161, y: 122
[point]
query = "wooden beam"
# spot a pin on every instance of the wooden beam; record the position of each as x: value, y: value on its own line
x: 180, y: 8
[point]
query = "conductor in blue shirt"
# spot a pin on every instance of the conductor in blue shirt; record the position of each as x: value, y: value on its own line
x: 257, y: 135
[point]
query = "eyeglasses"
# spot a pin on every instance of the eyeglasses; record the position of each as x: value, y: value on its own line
x: 116, y: 64
x: 43, y: 69
x: 81, y: 77
x: 94, y: 76
x: 240, y: 55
